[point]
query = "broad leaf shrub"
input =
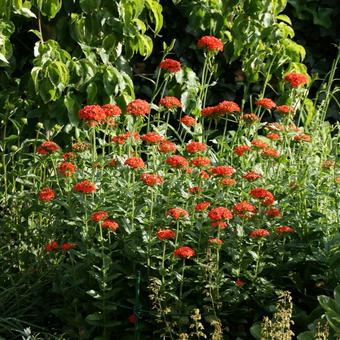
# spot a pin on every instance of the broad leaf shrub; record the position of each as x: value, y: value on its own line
x: 151, y: 223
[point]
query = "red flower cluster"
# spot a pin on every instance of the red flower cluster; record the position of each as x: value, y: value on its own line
x: 211, y: 43
x: 201, y: 206
x: 134, y: 162
x: 266, y: 103
x: 184, y: 252
x: 259, y: 143
x: 167, y: 147
x: 151, y: 179
x: 92, y: 114
x: 228, y: 181
x: 220, y: 213
x: 266, y: 196
x: 110, y: 224
x: 177, y: 213
x: 111, y: 110
x: 251, y: 176
x: 138, y: 107
x: 165, y: 234
x: 188, y: 121
x: 244, y: 209
x: 177, y: 161
x: 250, y: 116
x: 270, y: 152
x: 239, y: 283
x: 68, y: 155
x: 259, y: 233
x: 203, y: 174
x: 284, y: 109
x: 46, y: 194
x: 222, y: 170
x: 152, y: 137
x: 273, y: 212
x: 121, y: 139
x: 302, y: 137
x: 216, y: 241
x: 170, y: 102
x: 284, y: 229
x: 241, y: 149
x: 200, y: 161
x: 219, y: 224
x: 195, y: 190
x: 296, y: 79
x: 47, y: 147
x: 51, y: 246
x: 68, y: 246
x: 98, y: 216
x: 170, y: 65
x: 194, y: 147
x: 273, y: 136
x: 67, y: 169
x: 220, y: 109
x: 85, y: 187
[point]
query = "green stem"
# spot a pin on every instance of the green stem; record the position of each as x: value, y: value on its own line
x: 163, y: 262
x: 182, y: 281
x: 257, y: 260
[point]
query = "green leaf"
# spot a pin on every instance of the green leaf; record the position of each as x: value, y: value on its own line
x: 49, y: 8
x: 156, y: 10
x: 284, y: 18
x: 73, y: 106
x: 89, y: 5
x: 255, y: 330
x: 91, y: 91
x: 309, y: 107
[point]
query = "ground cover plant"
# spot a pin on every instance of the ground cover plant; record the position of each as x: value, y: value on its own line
x: 158, y: 220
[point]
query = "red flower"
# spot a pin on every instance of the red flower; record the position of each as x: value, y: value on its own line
x: 170, y: 102
x: 219, y: 224
x: 203, y: 174
x: 134, y: 162
x: 285, y: 109
x: 165, y: 234
x: 215, y: 241
x: 47, y: 147
x: 222, y: 170
x: 110, y: 224
x: 211, y: 43
x: 177, y: 213
x: 194, y: 147
x: 302, y: 137
x: 251, y: 176
x: 296, y: 79
x: 68, y: 155
x: 270, y: 152
x: 201, y: 161
x: 138, y: 107
x: 68, y: 246
x: 188, y: 171
x: 188, y: 121
x: 92, y: 114
x: 170, y: 65
x: 120, y: 139
x: 46, y: 194
x: 112, y: 163
x: 85, y: 187
x: 167, y: 147
x: 132, y: 319
x: 220, y: 213
x: 227, y: 107
x: 177, y: 161
x: 66, y: 169
x: 209, y: 111
x: 241, y: 149
x: 259, y: 233
x: 152, y: 137
x: 151, y: 179
x: 266, y: 103
x: 273, y: 212
x: 239, y: 283
x: 273, y: 136
x: 111, y: 110
x: 98, y: 216
x: 284, y: 229
x: 244, y: 207
x: 250, y: 116
x: 195, y: 190
x: 261, y: 193
x: 228, y: 181
x: 184, y: 252
x: 259, y: 143
x: 201, y: 206
x: 51, y: 246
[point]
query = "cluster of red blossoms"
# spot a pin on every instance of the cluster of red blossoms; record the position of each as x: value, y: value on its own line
x: 218, y: 216
x: 266, y: 103
x: 177, y: 161
x: 66, y: 169
x: 152, y: 137
x: 94, y: 114
x: 85, y: 187
x: 138, y: 107
x: 165, y: 234
x: 170, y: 102
x: 167, y: 147
x: 194, y: 147
x: 222, y: 170
x: 54, y: 246
x: 46, y: 194
x: 188, y: 121
x: 151, y: 179
x: 102, y: 217
x: 122, y: 138
x: 47, y: 147
x: 211, y: 43
x: 296, y: 79
x: 170, y: 65
x: 177, y: 213
x: 266, y: 196
x: 135, y: 163
x: 220, y: 109
x: 184, y: 252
